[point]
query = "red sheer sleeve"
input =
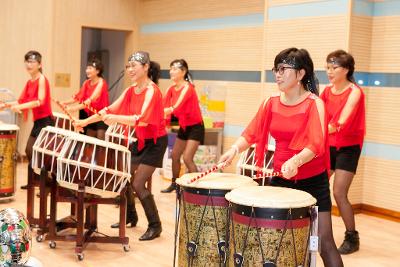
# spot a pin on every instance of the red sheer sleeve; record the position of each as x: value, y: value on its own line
x: 355, y: 123
x: 257, y: 132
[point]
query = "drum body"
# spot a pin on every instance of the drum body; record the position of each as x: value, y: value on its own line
x: 103, y: 168
x: 47, y: 148
x: 63, y: 121
x: 270, y: 226
x: 120, y: 134
x: 246, y: 164
x: 8, y: 159
x: 203, y: 217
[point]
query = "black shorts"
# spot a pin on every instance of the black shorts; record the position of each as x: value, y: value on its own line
x: 346, y: 158
x: 39, y: 124
x: 100, y: 125
x: 152, y: 154
x: 317, y: 186
x: 192, y: 132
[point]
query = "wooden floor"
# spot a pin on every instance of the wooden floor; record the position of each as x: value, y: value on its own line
x: 379, y: 238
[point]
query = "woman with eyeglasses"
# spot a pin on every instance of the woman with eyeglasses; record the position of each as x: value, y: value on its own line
x: 141, y: 106
x: 181, y: 101
x: 35, y: 96
x: 295, y: 118
x: 345, y: 106
x: 93, y: 93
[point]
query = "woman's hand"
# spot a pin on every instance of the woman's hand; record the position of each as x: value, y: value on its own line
x: 228, y: 156
x: 87, y: 102
x: 168, y: 111
x: 289, y: 168
x: 79, y: 125
x: 16, y: 109
x: 331, y: 128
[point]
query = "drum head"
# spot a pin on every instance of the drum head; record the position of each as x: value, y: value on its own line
x: 223, y: 181
x: 270, y: 197
x: 8, y: 127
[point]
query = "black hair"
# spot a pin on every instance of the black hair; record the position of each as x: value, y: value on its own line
x: 35, y: 55
x: 301, y: 59
x: 154, y: 71
x: 183, y: 66
x: 344, y: 60
x: 96, y: 63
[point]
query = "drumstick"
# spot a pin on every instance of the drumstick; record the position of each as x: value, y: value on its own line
x: 201, y: 175
x: 64, y: 109
x: 89, y: 107
x: 6, y: 105
x: 92, y: 109
x: 263, y: 175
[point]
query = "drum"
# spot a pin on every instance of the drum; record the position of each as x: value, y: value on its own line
x: 47, y: 148
x: 121, y: 134
x: 269, y: 226
x: 203, y: 217
x: 63, y: 121
x: 8, y: 159
x: 103, y: 167
x: 246, y: 164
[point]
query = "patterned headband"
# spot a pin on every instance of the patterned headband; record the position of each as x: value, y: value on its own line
x: 178, y: 65
x: 291, y: 61
x: 139, y: 57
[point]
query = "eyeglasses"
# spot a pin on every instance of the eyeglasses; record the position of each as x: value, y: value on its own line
x: 281, y: 69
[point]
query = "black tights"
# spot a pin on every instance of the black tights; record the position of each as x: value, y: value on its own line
x: 140, y: 175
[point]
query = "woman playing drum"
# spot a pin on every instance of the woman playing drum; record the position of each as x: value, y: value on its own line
x: 35, y: 96
x: 295, y: 117
x: 140, y: 105
x: 345, y: 106
x: 181, y: 101
x: 93, y: 93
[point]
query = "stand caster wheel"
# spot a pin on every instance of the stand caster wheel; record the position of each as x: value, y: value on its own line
x: 52, y: 244
x: 126, y: 248
x: 39, y: 238
x: 80, y: 256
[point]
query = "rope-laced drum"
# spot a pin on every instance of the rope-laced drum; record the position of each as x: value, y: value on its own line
x: 63, y: 121
x: 203, y: 217
x: 269, y: 226
x: 121, y: 134
x: 246, y: 164
x: 8, y: 159
x: 103, y: 167
x: 47, y: 148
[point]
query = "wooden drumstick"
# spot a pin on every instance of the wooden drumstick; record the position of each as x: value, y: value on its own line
x: 64, y: 109
x: 6, y: 105
x: 201, y: 175
x: 263, y: 175
x: 89, y: 107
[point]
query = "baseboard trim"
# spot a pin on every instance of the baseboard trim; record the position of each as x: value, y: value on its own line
x: 371, y: 210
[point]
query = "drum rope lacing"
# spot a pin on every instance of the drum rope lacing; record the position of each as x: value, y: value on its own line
x: 221, y: 245
x: 239, y: 257
x: 192, y: 245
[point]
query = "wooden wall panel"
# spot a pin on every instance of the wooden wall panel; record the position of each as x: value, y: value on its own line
x: 227, y: 49
x: 309, y: 33
x: 382, y: 110
x: 360, y: 41
x: 156, y: 11
x: 385, y: 44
